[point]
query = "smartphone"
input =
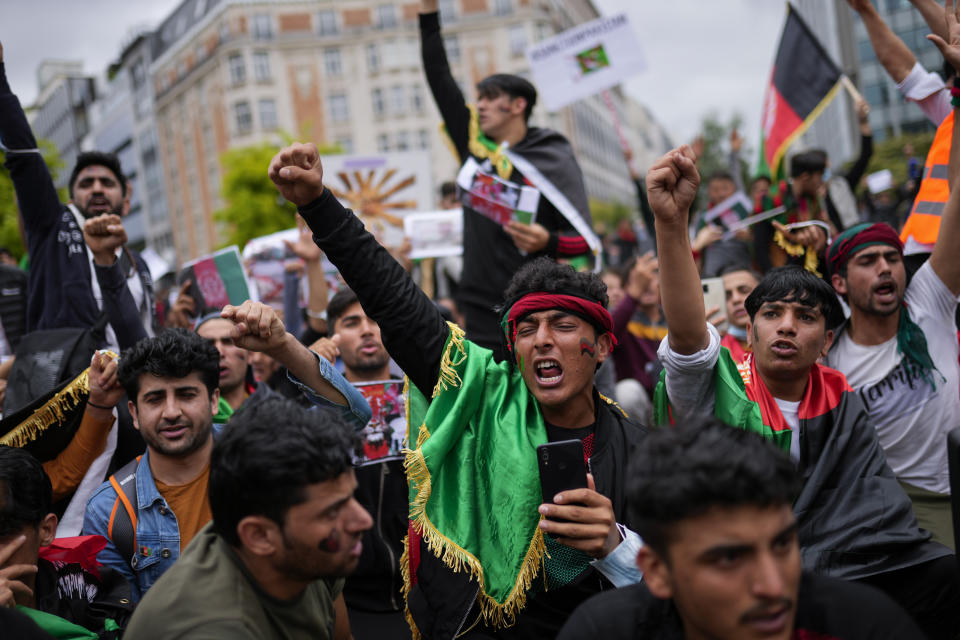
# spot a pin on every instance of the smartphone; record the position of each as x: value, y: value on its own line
x: 562, y: 467
x: 715, y: 297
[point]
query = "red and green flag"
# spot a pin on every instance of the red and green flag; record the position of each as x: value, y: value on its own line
x: 803, y: 82
x: 216, y: 280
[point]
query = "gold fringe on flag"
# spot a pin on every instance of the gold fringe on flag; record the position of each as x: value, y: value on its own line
x: 480, y: 146
x: 53, y: 412
x: 810, y: 261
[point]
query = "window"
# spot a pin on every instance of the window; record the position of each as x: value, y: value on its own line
x: 452, y: 45
x: 416, y: 98
x: 403, y: 143
x: 386, y: 16
x: 262, y: 26
x: 383, y: 143
x: 448, y: 10
x: 544, y: 31
x: 261, y: 66
x: 138, y: 73
x: 224, y: 32
x: 327, y: 22
x: 379, y: 105
x: 373, y: 57
x: 332, y: 62
x: 238, y: 70
x: 423, y: 139
x: 398, y: 100
x: 268, y: 114
x: 339, y: 109
x: 345, y: 143
x: 242, y: 116
x: 502, y: 7
x: 517, y: 35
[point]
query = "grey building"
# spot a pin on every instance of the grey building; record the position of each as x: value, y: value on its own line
x: 60, y: 113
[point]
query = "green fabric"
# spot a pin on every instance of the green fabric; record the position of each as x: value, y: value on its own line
x: 56, y: 626
x: 224, y: 411
x: 731, y: 404
x: 912, y: 343
x: 479, y: 466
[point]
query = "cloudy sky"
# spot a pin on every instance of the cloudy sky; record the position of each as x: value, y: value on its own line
x: 701, y: 56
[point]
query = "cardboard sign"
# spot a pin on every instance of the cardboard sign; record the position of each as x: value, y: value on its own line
x: 585, y: 60
x: 434, y: 234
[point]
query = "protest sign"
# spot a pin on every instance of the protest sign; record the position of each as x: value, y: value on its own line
x: 585, y: 60
x: 880, y: 181
x: 381, y: 189
x: 217, y: 280
x: 497, y: 199
x: 385, y: 436
x: 434, y: 234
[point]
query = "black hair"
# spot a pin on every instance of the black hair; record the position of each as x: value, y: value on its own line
x: 757, y: 179
x: 544, y: 275
x: 721, y: 174
x: 266, y: 457
x: 448, y: 189
x: 513, y: 86
x: 338, y: 305
x: 813, y: 161
x: 26, y: 496
x: 100, y: 159
x: 682, y: 472
x: 793, y: 283
x: 736, y: 268
x: 173, y: 353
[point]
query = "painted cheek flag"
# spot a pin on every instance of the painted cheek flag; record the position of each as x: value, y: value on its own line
x: 803, y: 82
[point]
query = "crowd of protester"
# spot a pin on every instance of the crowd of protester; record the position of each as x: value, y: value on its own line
x: 772, y: 466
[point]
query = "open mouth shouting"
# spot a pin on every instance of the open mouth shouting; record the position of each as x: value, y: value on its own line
x: 98, y: 205
x: 549, y: 372
x: 784, y: 349
x: 886, y: 292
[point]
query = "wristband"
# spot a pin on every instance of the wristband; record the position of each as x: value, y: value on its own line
x: 99, y: 406
x: 317, y: 315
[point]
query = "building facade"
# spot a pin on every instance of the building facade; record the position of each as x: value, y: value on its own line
x: 228, y: 74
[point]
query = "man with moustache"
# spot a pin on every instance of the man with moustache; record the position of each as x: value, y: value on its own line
x: 79, y: 266
x: 286, y: 530
x: 172, y: 385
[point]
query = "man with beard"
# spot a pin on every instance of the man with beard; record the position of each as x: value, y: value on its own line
x: 78, y: 264
x: 172, y: 385
x: 286, y: 530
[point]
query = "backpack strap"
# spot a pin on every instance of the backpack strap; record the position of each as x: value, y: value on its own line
x: 122, y: 528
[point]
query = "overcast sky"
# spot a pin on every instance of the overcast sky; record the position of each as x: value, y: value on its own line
x: 701, y: 56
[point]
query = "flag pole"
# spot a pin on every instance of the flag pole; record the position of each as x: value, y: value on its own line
x: 608, y: 100
x: 851, y: 89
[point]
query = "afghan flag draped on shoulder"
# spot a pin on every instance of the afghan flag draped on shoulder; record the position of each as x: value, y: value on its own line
x: 803, y: 82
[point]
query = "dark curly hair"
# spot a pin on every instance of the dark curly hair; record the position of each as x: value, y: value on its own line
x: 266, y: 457
x: 682, y: 472
x: 98, y: 159
x: 793, y: 283
x: 544, y: 275
x: 173, y: 353
x: 25, y: 492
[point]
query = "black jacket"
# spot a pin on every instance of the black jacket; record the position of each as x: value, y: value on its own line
x: 414, y: 333
x: 60, y: 288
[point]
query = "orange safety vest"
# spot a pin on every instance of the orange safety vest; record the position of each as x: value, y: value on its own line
x: 924, y: 221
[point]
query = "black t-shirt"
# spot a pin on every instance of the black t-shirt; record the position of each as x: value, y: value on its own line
x: 829, y: 607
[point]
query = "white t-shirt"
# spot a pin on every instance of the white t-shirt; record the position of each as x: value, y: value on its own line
x: 791, y: 413
x: 912, y: 420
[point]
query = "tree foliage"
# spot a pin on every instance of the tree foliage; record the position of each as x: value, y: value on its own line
x: 608, y: 214
x: 10, y: 229
x: 716, y: 147
x: 890, y: 154
x: 253, y: 206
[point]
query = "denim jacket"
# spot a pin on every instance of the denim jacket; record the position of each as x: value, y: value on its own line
x: 158, y: 534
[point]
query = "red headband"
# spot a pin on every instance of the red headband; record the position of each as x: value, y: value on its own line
x: 533, y: 302
x: 860, y: 237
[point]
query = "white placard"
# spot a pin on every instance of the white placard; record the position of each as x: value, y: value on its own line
x: 434, y: 234
x: 585, y: 60
x: 880, y: 181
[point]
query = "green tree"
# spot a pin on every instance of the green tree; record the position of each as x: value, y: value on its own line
x: 253, y: 206
x: 715, y: 137
x: 10, y: 228
x: 609, y: 213
x: 890, y: 154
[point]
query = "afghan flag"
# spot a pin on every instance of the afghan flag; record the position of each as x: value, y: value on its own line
x: 216, y: 280
x: 803, y: 82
